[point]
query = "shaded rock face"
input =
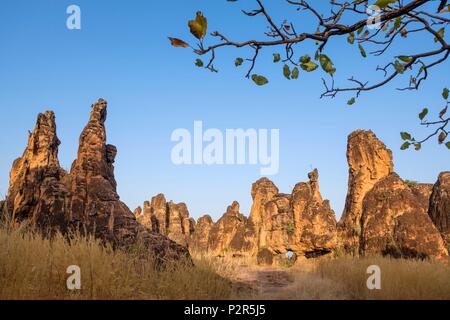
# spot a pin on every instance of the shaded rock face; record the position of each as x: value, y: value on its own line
x: 86, y: 199
x: 394, y: 223
x: 200, y: 238
x: 439, y: 210
x: 369, y: 161
x: 167, y: 218
x: 227, y: 234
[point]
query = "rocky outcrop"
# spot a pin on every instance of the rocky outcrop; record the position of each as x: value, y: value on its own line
x: 39, y: 188
x: 422, y: 192
x: 439, y: 210
x: 394, y: 223
x: 227, y: 234
x: 314, y: 220
x: 369, y: 161
x: 200, y: 238
x: 167, y: 218
x: 85, y: 200
x: 301, y: 223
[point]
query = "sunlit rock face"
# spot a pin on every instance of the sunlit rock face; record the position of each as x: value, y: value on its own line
x: 394, y: 223
x: 369, y: 161
x: 167, y: 218
x: 86, y: 200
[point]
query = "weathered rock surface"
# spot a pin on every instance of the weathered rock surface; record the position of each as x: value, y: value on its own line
x: 302, y: 223
x: 394, y: 223
x: 227, y: 234
x: 422, y: 192
x: 369, y: 161
x: 42, y: 193
x: 167, y: 218
x: 439, y: 210
x: 38, y: 188
x: 200, y: 238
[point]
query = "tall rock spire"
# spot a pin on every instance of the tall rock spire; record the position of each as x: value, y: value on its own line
x: 42, y: 193
x: 36, y: 189
x: 369, y: 161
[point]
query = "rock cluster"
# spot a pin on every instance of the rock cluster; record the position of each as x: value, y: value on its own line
x: 167, y: 218
x: 383, y: 215
x: 302, y: 223
x: 41, y: 193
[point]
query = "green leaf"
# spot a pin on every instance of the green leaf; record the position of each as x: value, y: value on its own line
x: 397, y: 23
x: 363, y: 52
x: 351, y: 38
x: 405, y: 136
x: 259, y: 80
x: 399, y: 67
x: 351, y: 101
x: 418, y: 146
x: 405, y: 146
x: 276, y: 57
x: 305, y: 59
x: 423, y: 114
x: 441, y: 33
x: 199, y: 63
x: 238, y: 62
x: 360, y: 30
x: 327, y: 64
x: 405, y: 58
x: 295, y: 73
x: 287, y: 72
x: 384, y: 3
x: 445, y: 93
x: 309, y: 66
x: 448, y: 145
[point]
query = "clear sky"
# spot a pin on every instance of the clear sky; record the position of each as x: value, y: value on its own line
x: 122, y: 54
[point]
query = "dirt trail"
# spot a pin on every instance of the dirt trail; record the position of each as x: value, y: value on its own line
x: 265, y: 282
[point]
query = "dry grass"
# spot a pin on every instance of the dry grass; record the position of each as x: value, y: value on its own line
x: 400, y: 279
x: 35, y: 268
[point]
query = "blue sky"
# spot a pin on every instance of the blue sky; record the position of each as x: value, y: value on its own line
x: 122, y: 55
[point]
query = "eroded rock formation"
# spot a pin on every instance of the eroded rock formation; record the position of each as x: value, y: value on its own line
x: 227, y: 234
x: 394, y: 223
x: 369, y: 161
x: 301, y: 223
x: 38, y: 187
x: 439, y: 210
x: 200, y: 238
x: 45, y: 195
x: 167, y: 218
x: 383, y: 214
